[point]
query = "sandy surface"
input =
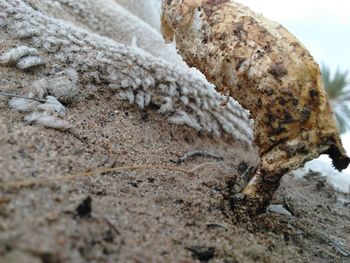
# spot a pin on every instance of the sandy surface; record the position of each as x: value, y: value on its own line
x: 150, y: 215
x: 147, y: 215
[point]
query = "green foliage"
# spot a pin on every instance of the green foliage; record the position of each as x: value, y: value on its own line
x: 338, y: 89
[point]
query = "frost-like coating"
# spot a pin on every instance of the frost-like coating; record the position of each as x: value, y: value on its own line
x: 108, y: 18
x: 30, y: 62
x: 38, y: 89
x: 48, y: 121
x: 47, y: 113
x: 23, y: 105
x: 136, y: 75
x: 147, y: 10
x: 64, y: 86
x: 13, y: 55
x: 51, y: 106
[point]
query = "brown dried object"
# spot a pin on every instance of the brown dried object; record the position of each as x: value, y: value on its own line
x: 263, y: 66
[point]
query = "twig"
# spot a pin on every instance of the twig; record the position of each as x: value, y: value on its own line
x: 112, y: 226
x: 336, y: 244
x: 199, y: 153
x: 21, y: 97
x: 315, y: 232
x: 108, y: 222
x: 31, y: 182
x: 199, y: 166
x: 289, y: 207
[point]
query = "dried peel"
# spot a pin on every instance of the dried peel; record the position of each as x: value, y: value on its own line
x: 270, y: 73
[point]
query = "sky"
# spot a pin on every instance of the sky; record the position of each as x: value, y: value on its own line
x: 322, y: 26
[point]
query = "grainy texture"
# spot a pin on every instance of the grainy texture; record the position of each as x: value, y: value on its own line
x: 131, y: 73
x: 108, y: 18
x: 144, y: 215
x: 265, y: 68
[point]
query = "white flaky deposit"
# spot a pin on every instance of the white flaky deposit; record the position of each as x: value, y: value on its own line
x: 48, y: 114
x: 108, y: 18
x: 13, y: 55
x: 88, y: 60
x: 24, y: 57
x: 23, y: 105
x: 48, y: 121
x: 52, y: 106
x: 30, y: 62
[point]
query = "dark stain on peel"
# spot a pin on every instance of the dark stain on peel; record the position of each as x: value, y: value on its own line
x: 313, y: 93
x: 305, y: 114
x: 239, y: 30
x: 277, y: 131
x: 209, y: 6
x: 278, y: 71
x: 288, y: 118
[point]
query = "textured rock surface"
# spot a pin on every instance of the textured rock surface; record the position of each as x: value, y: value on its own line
x: 265, y: 68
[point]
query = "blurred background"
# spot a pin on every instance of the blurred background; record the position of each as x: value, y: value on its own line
x: 324, y: 28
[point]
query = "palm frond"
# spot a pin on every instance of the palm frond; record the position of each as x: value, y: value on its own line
x: 338, y: 89
x: 335, y: 85
x: 343, y: 119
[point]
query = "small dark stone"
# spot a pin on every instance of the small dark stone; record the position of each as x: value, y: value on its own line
x: 153, y: 106
x: 84, y: 208
x: 111, y: 114
x: 144, y: 115
x: 203, y: 254
x: 133, y: 184
x: 108, y: 236
x: 151, y: 180
x: 101, y: 192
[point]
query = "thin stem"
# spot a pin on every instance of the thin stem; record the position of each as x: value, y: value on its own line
x: 31, y: 182
x: 21, y: 97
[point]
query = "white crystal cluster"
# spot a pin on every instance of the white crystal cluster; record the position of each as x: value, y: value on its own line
x: 64, y: 87
x: 48, y: 114
x: 23, y: 57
